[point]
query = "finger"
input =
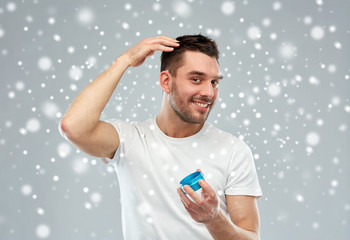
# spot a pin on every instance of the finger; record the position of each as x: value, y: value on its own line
x: 196, y: 198
x: 180, y: 192
x: 168, y: 38
x: 198, y: 170
x: 184, y: 199
x: 207, y: 189
x: 183, y: 196
x: 165, y: 48
x: 188, y: 202
x: 165, y: 42
x: 192, y: 213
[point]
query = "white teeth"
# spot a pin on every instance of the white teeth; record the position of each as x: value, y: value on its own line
x: 202, y: 104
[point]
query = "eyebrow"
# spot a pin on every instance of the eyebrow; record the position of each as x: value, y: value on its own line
x: 199, y: 73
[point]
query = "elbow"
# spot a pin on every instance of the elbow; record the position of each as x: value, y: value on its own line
x: 66, y: 129
x: 63, y: 127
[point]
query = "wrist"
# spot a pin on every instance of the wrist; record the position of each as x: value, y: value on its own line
x: 122, y: 61
x: 216, y: 220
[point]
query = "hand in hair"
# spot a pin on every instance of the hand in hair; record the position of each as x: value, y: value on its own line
x: 136, y: 55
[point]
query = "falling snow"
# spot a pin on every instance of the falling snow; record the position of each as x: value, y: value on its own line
x: 227, y: 7
x: 285, y: 92
x: 2, y: 33
x: 11, y: 7
x: 317, y: 33
x: 33, y: 125
x: 254, y: 33
x: 43, y: 231
x: 85, y: 16
x: 26, y: 189
x: 312, y: 138
x: 64, y: 149
x: 287, y: 50
x: 182, y: 8
x: 75, y: 73
x: 45, y: 63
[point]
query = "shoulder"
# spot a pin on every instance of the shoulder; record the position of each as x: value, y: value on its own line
x: 220, y: 135
x: 126, y: 126
x: 226, y: 139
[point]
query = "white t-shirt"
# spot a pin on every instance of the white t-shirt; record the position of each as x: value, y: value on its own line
x: 150, y: 165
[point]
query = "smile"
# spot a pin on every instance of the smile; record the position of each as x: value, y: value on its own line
x: 203, y: 105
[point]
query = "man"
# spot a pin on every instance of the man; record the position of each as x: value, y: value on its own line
x: 152, y: 157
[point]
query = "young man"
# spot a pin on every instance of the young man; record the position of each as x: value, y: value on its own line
x: 152, y: 157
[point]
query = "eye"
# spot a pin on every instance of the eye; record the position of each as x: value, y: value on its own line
x: 214, y: 82
x: 197, y: 80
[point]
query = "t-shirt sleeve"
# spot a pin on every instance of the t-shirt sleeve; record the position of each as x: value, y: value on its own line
x: 242, y: 176
x: 122, y: 128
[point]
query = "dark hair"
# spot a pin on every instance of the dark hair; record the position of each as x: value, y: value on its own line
x: 171, y: 61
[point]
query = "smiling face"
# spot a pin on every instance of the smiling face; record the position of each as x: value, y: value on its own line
x: 195, y: 87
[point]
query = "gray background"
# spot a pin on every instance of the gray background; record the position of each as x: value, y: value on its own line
x: 286, y: 92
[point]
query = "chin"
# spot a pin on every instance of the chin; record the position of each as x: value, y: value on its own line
x: 194, y: 119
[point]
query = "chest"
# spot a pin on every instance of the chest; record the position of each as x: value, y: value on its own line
x: 156, y: 163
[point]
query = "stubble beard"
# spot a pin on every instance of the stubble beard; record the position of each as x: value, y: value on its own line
x: 183, y: 110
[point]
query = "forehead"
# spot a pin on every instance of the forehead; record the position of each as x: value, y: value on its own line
x: 197, y: 61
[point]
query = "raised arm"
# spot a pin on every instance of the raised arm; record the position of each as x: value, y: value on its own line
x: 81, y: 123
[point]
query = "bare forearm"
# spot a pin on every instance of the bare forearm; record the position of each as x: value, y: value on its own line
x: 84, y: 112
x: 222, y: 228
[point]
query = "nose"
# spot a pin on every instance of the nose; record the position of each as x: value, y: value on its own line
x: 207, y: 89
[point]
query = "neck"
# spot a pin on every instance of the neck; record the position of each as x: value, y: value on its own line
x: 172, y: 126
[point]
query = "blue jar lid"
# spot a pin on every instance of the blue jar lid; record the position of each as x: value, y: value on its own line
x: 192, y: 180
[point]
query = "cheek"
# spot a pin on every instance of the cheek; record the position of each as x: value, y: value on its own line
x: 188, y: 92
x: 216, y: 93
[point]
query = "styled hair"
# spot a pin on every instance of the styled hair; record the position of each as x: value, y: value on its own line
x: 171, y: 61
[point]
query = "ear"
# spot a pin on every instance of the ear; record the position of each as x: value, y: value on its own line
x: 165, y: 81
